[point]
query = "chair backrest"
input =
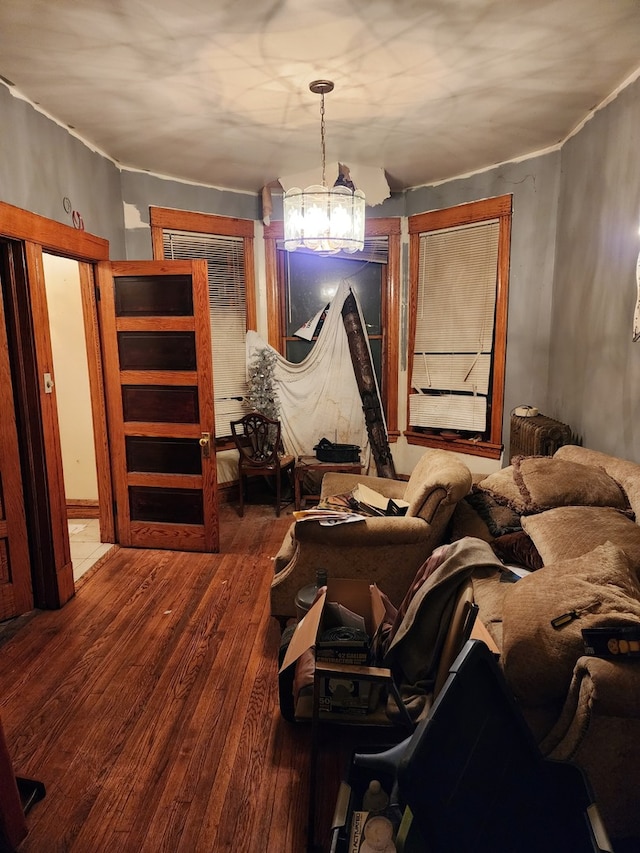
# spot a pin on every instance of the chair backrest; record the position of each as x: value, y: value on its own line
x: 257, y: 438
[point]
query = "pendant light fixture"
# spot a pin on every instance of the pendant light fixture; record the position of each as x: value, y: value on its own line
x: 326, y: 220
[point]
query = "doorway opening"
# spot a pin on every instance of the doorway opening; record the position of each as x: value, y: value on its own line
x: 74, y: 397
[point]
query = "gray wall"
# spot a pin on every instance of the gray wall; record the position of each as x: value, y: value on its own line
x: 141, y: 191
x: 594, y: 377
x: 569, y: 349
x: 41, y: 163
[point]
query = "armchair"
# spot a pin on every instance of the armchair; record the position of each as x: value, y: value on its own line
x: 387, y: 550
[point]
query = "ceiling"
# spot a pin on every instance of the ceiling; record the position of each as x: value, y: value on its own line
x: 217, y: 91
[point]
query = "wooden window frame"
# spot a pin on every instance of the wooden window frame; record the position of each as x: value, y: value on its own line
x: 162, y: 218
x: 390, y: 306
x: 499, y: 208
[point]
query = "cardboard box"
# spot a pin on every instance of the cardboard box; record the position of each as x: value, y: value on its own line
x: 342, y: 694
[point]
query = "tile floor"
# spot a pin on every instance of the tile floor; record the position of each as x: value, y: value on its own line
x: 86, y: 548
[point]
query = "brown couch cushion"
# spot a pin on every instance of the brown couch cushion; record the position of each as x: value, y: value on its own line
x: 536, y: 483
x: 538, y: 659
x: 465, y: 521
x: 499, y: 518
x: 570, y: 531
x: 517, y: 549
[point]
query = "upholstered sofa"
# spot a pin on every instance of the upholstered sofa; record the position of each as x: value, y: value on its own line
x: 576, y: 515
x: 386, y: 550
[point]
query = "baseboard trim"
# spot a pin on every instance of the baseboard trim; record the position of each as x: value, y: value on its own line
x: 83, y: 509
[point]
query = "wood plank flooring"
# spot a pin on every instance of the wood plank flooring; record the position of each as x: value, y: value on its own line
x: 148, y: 706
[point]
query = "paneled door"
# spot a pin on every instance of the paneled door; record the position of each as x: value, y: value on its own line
x: 154, y: 318
x: 16, y: 594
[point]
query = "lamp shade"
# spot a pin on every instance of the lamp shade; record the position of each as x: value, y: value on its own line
x: 326, y: 220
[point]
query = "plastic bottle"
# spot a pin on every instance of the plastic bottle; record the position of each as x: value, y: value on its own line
x: 305, y: 597
x: 374, y: 798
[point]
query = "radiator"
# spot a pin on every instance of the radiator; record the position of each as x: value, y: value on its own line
x: 537, y: 436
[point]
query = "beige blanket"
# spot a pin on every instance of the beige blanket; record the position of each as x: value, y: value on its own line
x: 414, y: 651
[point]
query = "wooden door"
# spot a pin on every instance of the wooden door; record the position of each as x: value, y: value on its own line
x: 159, y: 376
x: 16, y: 594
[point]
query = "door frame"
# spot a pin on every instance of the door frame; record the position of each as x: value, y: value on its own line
x: 53, y: 583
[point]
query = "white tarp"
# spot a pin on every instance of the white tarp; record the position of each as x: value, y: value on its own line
x: 319, y: 398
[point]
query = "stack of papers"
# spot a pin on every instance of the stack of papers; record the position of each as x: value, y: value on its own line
x: 327, y: 517
x: 354, y: 506
x: 368, y: 500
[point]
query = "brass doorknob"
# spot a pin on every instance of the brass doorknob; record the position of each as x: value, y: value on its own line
x: 205, y: 443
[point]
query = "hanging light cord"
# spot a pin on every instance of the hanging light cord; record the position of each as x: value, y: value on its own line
x: 322, y: 139
x: 321, y: 87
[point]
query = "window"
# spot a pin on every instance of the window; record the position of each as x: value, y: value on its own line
x: 300, y: 284
x: 227, y: 246
x: 311, y: 282
x: 457, y: 337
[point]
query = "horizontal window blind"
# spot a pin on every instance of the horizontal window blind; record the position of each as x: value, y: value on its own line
x: 455, y: 315
x: 448, y: 411
x: 467, y: 372
x: 227, y: 315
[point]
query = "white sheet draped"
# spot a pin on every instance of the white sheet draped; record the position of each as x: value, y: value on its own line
x: 319, y: 397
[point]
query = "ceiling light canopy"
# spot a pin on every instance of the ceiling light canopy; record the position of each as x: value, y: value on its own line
x: 326, y: 220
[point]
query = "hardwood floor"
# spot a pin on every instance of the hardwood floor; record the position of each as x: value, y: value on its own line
x: 148, y: 707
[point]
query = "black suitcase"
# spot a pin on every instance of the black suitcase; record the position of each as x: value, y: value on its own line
x: 327, y: 451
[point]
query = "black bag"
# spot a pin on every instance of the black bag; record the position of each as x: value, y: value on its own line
x: 327, y: 451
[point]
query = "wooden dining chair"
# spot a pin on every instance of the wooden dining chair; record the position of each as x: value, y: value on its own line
x: 259, y: 443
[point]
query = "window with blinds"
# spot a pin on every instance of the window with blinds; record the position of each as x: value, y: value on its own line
x: 225, y: 258
x: 458, y: 328
x: 454, y: 327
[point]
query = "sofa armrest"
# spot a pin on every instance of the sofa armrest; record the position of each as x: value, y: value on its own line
x: 370, y: 532
x: 599, y: 730
x: 338, y: 483
x: 609, y: 688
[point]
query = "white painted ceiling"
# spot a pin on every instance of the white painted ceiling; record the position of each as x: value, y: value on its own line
x: 216, y: 91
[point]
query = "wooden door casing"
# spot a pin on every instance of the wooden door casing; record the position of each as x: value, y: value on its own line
x: 16, y: 592
x: 64, y: 584
x: 157, y: 357
x: 34, y: 409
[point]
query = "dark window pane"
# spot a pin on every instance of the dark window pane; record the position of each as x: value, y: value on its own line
x: 157, y: 350
x: 163, y: 455
x: 153, y: 296
x: 160, y: 404
x: 312, y: 281
x: 173, y: 506
x: 298, y: 350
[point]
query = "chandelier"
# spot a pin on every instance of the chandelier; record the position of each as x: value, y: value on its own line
x: 326, y: 220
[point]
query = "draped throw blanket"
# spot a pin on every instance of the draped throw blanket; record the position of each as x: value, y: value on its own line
x: 418, y: 634
x: 319, y: 397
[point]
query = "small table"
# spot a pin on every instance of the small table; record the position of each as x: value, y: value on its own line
x: 311, y: 463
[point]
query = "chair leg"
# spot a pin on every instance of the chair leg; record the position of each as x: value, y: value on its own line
x: 278, y: 489
x: 241, y: 480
